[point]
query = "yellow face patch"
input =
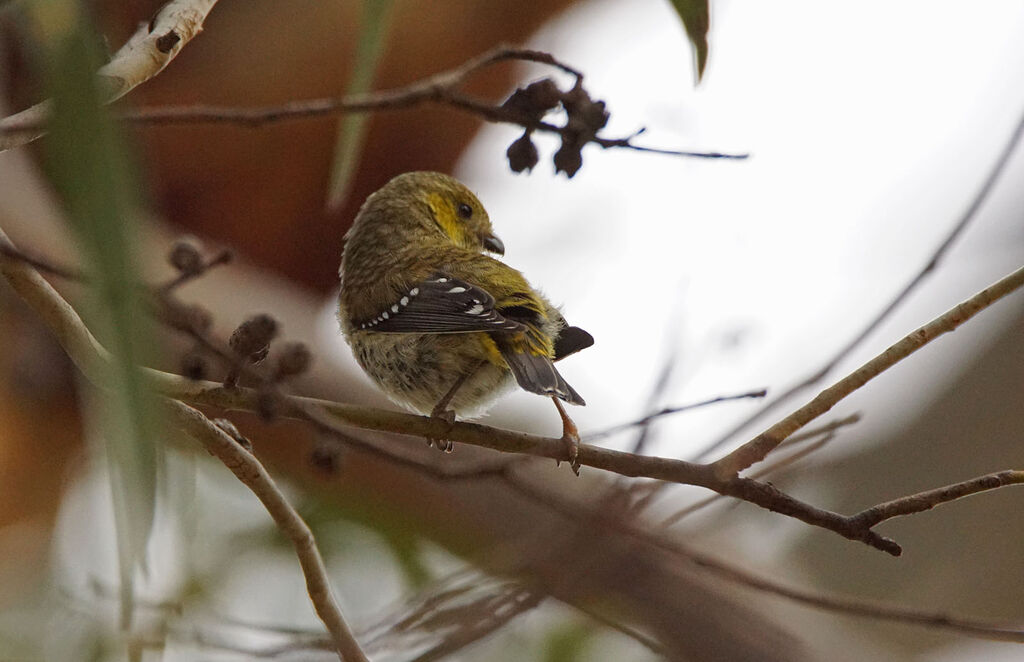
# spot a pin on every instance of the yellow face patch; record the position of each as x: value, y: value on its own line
x: 452, y: 226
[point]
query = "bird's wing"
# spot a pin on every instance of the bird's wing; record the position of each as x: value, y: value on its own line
x: 441, y: 304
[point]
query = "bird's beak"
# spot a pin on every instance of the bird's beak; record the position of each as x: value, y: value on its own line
x: 494, y: 245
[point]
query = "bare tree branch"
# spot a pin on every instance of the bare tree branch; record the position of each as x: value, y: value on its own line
x: 250, y: 471
x: 143, y: 56
x: 757, y: 448
x: 721, y: 476
x: 443, y: 88
x: 90, y: 356
x: 789, y: 460
x: 933, y: 261
x: 922, y: 501
x: 854, y: 607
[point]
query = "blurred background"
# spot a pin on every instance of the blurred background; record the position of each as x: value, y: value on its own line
x: 870, y: 128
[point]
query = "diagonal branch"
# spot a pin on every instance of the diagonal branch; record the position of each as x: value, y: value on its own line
x: 757, y: 448
x: 933, y: 261
x: 853, y: 606
x: 250, y: 471
x: 721, y: 477
x: 598, y: 517
x: 144, y: 55
x: 922, y: 501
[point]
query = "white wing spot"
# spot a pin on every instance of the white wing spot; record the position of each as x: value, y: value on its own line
x: 475, y: 310
x: 394, y: 309
x: 414, y: 291
x: 384, y: 315
x: 441, y: 280
x: 404, y: 301
x: 456, y: 290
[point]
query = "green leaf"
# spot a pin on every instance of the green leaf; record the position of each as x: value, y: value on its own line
x: 352, y: 127
x: 88, y: 167
x: 696, y: 18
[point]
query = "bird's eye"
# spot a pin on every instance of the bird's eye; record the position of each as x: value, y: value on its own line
x: 464, y: 211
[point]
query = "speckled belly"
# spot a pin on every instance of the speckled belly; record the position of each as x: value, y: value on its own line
x: 416, y: 371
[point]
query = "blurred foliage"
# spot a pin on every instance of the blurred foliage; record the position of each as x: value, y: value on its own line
x: 568, y: 643
x: 87, y: 164
x: 352, y: 127
x: 328, y: 522
x: 696, y: 17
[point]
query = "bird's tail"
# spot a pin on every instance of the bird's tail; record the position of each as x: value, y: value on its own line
x: 537, y: 374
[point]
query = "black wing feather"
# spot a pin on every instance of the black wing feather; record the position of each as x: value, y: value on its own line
x: 441, y: 304
x: 537, y: 374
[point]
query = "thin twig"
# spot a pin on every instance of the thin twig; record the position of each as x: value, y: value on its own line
x: 90, y: 357
x: 597, y: 517
x: 922, y: 501
x: 443, y: 88
x: 933, y: 261
x: 852, y: 606
x: 66, y: 273
x: 668, y: 411
x: 250, y: 471
x: 787, y: 461
x: 756, y: 449
x: 647, y: 492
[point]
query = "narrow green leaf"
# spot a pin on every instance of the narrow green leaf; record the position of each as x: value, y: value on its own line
x: 88, y: 167
x: 696, y: 17
x: 348, y: 146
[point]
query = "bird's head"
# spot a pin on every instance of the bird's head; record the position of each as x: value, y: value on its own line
x: 434, y: 206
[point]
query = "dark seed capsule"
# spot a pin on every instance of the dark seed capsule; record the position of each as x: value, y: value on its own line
x: 252, y: 337
x: 534, y: 100
x: 294, y: 360
x: 568, y: 159
x: 522, y: 154
x: 185, y: 257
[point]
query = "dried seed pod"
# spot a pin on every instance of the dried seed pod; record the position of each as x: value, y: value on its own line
x: 568, y: 158
x: 186, y: 258
x: 252, y: 338
x: 543, y: 94
x: 294, y: 360
x: 535, y: 100
x: 522, y: 154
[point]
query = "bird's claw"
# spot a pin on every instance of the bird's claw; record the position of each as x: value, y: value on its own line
x: 443, y: 445
x: 571, y: 439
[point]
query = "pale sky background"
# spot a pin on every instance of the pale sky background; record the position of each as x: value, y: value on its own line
x: 870, y: 125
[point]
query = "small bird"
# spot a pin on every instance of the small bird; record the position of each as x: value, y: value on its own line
x: 439, y: 325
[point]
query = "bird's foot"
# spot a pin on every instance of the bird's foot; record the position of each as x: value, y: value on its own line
x: 570, y: 437
x: 443, y: 445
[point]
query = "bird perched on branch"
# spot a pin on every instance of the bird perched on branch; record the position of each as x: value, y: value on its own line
x: 442, y: 327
